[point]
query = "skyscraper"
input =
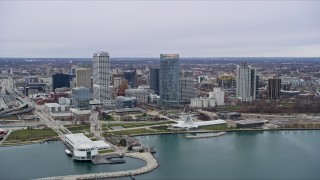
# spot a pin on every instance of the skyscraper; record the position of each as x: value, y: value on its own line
x: 246, y: 82
x: 101, y: 77
x: 83, y: 77
x: 274, y: 88
x: 130, y: 76
x: 187, y: 92
x: 60, y: 80
x: 169, y: 80
x: 154, y: 80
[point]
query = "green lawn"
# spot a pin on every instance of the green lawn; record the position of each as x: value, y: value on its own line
x: 133, y: 131
x: 215, y: 127
x: 106, y: 151
x: 77, y: 128
x: 31, y: 134
x: 130, y: 125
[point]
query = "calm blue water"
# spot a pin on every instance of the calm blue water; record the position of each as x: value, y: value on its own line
x: 246, y: 155
x: 49, y: 159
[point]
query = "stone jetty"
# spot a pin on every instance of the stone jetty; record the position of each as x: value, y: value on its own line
x: 147, y: 157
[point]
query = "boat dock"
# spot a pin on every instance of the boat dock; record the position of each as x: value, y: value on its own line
x: 206, y: 135
x: 151, y: 164
x: 108, y: 159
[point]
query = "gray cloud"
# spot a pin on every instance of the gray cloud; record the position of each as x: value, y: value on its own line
x: 146, y: 29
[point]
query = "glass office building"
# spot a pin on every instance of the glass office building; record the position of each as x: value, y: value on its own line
x: 169, y: 80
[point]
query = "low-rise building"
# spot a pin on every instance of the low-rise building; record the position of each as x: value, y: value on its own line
x: 125, y: 102
x: 84, y: 148
x: 202, y: 102
x: 140, y: 94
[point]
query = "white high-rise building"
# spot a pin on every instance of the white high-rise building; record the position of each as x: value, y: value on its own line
x: 218, y: 95
x: 101, y: 77
x: 83, y: 77
x: 246, y: 82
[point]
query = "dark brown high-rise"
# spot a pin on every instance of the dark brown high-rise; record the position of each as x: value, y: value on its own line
x: 274, y: 88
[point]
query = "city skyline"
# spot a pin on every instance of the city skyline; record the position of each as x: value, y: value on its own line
x: 145, y: 29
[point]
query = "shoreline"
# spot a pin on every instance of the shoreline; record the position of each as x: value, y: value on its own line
x: 168, y: 133
x: 21, y: 143
x: 227, y: 130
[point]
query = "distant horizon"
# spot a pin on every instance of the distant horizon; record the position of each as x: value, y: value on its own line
x: 214, y: 57
x: 59, y: 29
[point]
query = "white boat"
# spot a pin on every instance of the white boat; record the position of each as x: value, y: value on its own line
x: 68, y: 152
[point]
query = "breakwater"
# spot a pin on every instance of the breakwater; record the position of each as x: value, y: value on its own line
x: 151, y: 164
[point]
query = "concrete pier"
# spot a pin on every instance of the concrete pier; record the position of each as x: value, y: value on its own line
x: 147, y: 157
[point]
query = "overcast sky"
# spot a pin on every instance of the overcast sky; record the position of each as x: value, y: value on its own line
x: 59, y: 29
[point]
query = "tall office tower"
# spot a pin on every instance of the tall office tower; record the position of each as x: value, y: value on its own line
x: 154, y: 80
x: 169, y: 80
x: 246, y: 82
x: 101, y: 77
x: 81, y: 97
x: 187, y: 92
x: 83, y: 77
x: 274, y: 88
x: 60, y: 80
x: 130, y: 76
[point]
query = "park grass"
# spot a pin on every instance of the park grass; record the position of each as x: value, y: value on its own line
x: 106, y: 151
x: 133, y: 131
x: 160, y: 128
x: 131, y: 125
x: 31, y: 134
x: 78, y: 128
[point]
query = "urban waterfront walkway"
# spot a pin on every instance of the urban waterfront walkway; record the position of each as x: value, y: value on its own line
x: 147, y: 157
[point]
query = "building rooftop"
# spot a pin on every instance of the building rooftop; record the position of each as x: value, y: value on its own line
x: 79, y: 140
x: 52, y: 105
x: 251, y: 121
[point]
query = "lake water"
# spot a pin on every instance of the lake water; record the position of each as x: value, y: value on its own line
x: 241, y: 155
x: 49, y: 159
